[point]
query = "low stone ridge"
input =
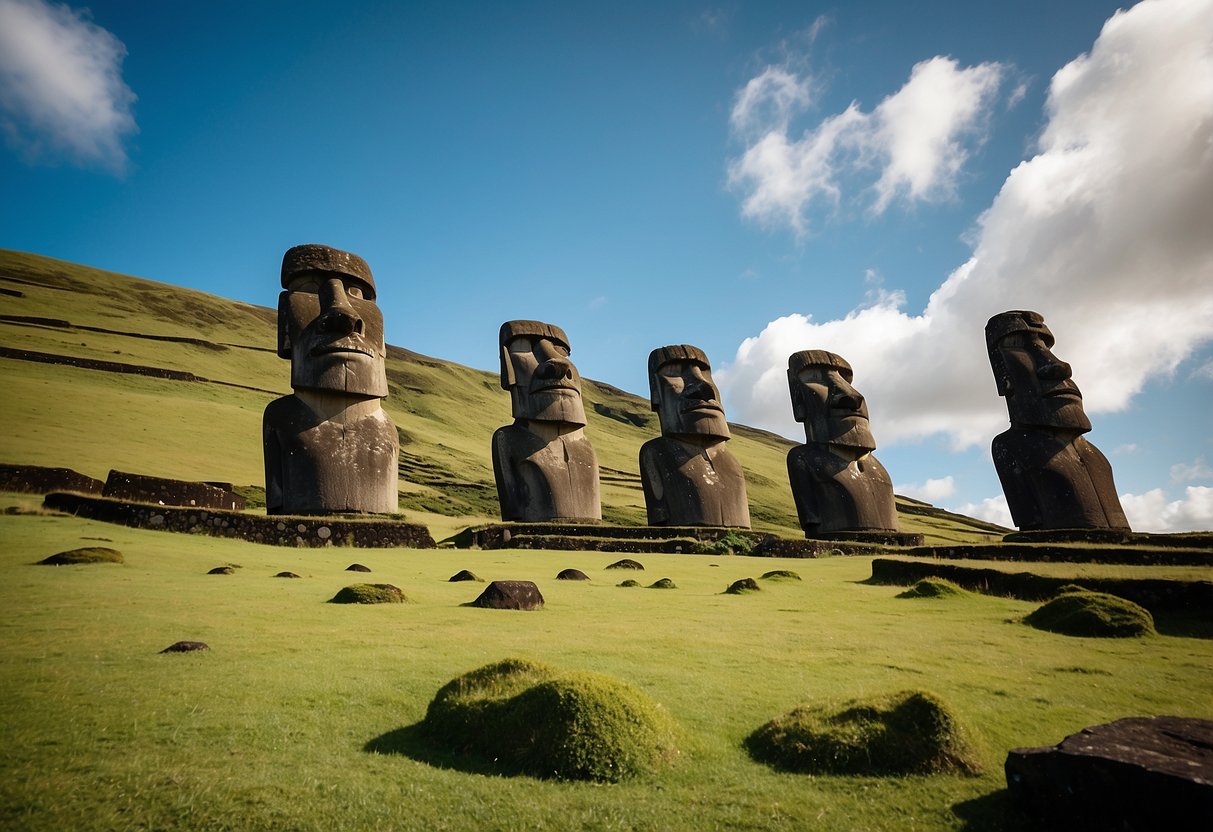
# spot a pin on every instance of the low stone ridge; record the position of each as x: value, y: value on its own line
x: 626, y: 563
x: 743, y: 585
x: 357, y: 567
x: 1092, y: 614
x: 631, y: 582
x: 139, y: 488
x: 85, y: 554
x: 510, y: 595
x: 1155, y: 594
x: 911, y: 732
x: 1170, y: 555
x: 933, y: 588
x: 1137, y: 773
x: 222, y: 570
x: 780, y: 575
x: 878, y: 538
x: 286, y: 575
x: 277, y: 530
x: 572, y: 575
x: 35, y: 479
x: 663, y: 583
x: 465, y: 575
x: 1120, y: 537
x: 369, y: 594
x: 186, y: 647
x: 521, y: 717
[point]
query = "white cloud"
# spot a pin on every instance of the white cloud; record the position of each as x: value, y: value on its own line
x: 991, y: 509
x: 61, y: 87
x: 931, y: 491
x: 1198, y: 470
x: 1126, y: 448
x: 1152, y: 512
x: 1204, y: 371
x: 1105, y: 232
x: 915, y: 138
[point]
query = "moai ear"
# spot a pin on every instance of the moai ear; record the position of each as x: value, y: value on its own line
x: 507, y: 369
x: 284, y: 330
x: 797, y: 399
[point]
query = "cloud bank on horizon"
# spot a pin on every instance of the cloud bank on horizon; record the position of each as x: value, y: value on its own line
x: 61, y: 88
x: 1105, y: 231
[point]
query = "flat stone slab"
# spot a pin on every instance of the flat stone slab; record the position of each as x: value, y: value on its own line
x: 510, y: 595
x: 1138, y: 773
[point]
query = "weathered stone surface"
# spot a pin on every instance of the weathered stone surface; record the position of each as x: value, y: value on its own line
x: 689, y: 477
x: 510, y: 595
x: 140, y: 488
x: 743, y: 585
x: 357, y: 567
x: 1053, y: 478
x: 222, y: 570
x: 186, y: 647
x: 544, y: 465
x: 36, y: 479
x: 838, y: 485
x: 1138, y: 773
x: 465, y: 575
x: 330, y: 448
x: 626, y: 563
x: 286, y: 575
x: 572, y: 575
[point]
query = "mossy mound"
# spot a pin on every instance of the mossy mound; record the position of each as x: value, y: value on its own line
x: 286, y: 575
x: 629, y: 582
x: 911, y: 732
x: 1094, y: 615
x: 465, y: 575
x: 369, y: 594
x: 780, y: 575
x: 729, y: 543
x: 933, y: 588
x: 1068, y: 588
x: 357, y: 567
x: 525, y: 717
x: 221, y: 570
x: 571, y: 575
x: 663, y: 583
x: 87, y: 554
x: 626, y: 563
x: 742, y: 586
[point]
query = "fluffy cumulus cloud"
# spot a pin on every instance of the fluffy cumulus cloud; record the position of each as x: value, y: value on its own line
x: 931, y: 491
x: 915, y: 138
x: 61, y: 88
x: 991, y: 509
x: 1153, y: 512
x: 1105, y: 231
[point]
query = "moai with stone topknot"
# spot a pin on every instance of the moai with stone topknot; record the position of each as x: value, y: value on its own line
x: 689, y: 477
x: 330, y: 447
x: 837, y: 484
x: 1053, y: 478
x: 544, y: 464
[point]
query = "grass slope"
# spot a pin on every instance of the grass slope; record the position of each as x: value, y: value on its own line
x: 93, y: 420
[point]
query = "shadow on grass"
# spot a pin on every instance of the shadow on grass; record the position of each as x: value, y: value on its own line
x: 411, y: 741
x: 993, y: 812
x: 1184, y: 624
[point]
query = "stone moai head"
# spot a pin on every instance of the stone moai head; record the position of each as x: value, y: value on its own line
x: 1035, y: 383
x: 329, y: 325
x: 682, y: 392
x: 832, y: 411
x: 535, y: 367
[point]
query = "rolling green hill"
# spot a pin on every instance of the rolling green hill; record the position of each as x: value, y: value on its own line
x: 205, y: 423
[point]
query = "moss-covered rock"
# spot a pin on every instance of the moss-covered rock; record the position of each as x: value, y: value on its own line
x: 629, y: 582
x: 780, y: 575
x: 742, y: 586
x: 87, y: 554
x: 933, y: 588
x: 663, y: 583
x: 571, y: 575
x: 912, y: 732
x: 465, y: 575
x: 369, y: 594
x: 1092, y: 614
x: 1068, y: 588
x: 626, y: 563
x: 522, y: 716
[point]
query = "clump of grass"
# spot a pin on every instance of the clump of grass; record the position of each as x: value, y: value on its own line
x: 663, y: 583
x: 86, y: 554
x: 1068, y: 588
x: 911, y: 732
x: 630, y: 582
x: 742, y: 586
x: 729, y: 543
x: 780, y: 575
x: 626, y: 563
x: 1094, y: 615
x: 933, y: 588
x: 525, y: 717
x: 369, y: 594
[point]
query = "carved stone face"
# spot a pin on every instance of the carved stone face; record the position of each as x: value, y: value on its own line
x: 831, y: 409
x: 1037, y: 384
x: 332, y: 334
x: 684, y: 395
x: 544, y: 384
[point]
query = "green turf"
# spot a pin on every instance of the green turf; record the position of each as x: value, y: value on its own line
x: 933, y: 588
x: 83, y: 554
x: 368, y: 594
x: 1092, y: 614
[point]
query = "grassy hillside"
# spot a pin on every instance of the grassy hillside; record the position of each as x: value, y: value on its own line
x: 93, y: 420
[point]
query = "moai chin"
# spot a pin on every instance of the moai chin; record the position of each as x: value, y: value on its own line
x: 544, y: 464
x: 689, y: 477
x: 330, y: 447
x: 1053, y: 478
x: 837, y: 484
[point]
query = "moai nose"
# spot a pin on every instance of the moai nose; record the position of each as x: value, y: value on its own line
x: 337, y: 313
x: 1054, y: 370
x: 555, y: 368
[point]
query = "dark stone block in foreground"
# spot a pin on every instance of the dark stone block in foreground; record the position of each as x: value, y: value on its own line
x: 186, y: 647
x: 1138, y: 773
x: 572, y: 575
x: 510, y: 595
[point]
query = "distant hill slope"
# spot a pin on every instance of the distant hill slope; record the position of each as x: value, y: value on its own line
x: 102, y: 370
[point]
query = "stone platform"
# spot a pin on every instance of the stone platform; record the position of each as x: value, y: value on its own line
x: 274, y: 530
x: 1182, y: 550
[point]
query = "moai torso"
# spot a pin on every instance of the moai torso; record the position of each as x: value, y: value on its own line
x: 541, y: 480
x: 836, y: 494
x: 687, y: 484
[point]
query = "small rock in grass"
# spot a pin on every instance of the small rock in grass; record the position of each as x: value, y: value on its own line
x: 780, y: 575
x: 933, y: 588
x: 286, y: 575
x: 663, y: 583
x: 626, y: 563
x: 630, y: 582
x: 87, y: 554
x: 222, y: 570
x: 369, y: 594
x: 572, y: 575
x: 186, y: 647
x: 357, y: 567
x: 510, y: 595
x: 465, y: 575
x: 1094, y: 615
x: 742, y: 586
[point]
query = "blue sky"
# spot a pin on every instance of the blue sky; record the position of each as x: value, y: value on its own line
x: 802, y: 175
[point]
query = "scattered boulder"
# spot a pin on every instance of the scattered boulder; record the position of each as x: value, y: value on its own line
x: 369, y: 594
x: 911, y: 732
x: 286, y: 575
x: 1094, y: 615
x: 626, y: 563
x: 629, y: 582
x: 780, y: 575
x: 1138, y: 773
x: 520, y: 716
x: 742, y: 586
x: 186, y: 647
x: 510, y: 595
x: 572, y: 575
x: 663, y: 583
x: 933, y: 588
x: 222, y: 570
x: 465, y: 575
x: 86, y: 554
x: 357, y: 567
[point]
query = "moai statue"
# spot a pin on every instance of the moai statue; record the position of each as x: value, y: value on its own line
x: 838, y: 485
x: 545, y: 467
x: 1053, y: 478
x: 330, y: 447
x: 689, y: 477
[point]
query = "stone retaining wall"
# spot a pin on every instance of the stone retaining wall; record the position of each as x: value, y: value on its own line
x: 139, y: 488
x: 1044, y: 553
x: 35, y: 479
